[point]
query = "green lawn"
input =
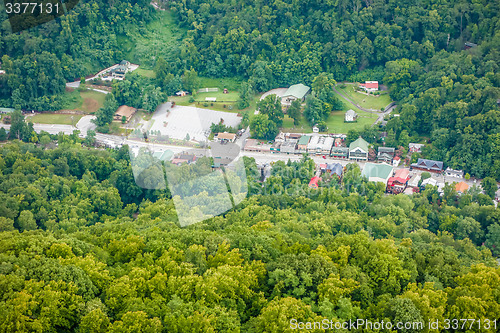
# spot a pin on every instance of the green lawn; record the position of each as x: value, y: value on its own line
x: 54, y: 118
x: 149, y: 73
x: 91, y: 101
x: 231, y: 96
x: 366, y: 101
x: 335, y: 121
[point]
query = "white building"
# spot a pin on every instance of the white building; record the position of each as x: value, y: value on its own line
x: 350, y: 116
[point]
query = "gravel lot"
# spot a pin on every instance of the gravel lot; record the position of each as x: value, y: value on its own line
x: 182, y: 120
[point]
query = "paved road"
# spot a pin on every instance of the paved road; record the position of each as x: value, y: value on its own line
x: 76, y: 84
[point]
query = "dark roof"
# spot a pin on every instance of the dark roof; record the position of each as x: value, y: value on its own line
x: 335, y: 168
x: 386, y: 150
x: 428, y: 164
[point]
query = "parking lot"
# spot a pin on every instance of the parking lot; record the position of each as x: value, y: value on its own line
x: 179, y: 121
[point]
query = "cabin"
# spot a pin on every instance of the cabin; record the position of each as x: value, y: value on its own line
x: 335, y: 169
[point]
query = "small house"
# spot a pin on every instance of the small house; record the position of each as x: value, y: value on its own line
x: 369, y: 86
x: 225, y: 137
x: 415, y: 147
x: 395, y: 161
x: 335, y: 169
x: 461, y: 187
x: 124, y: 111
x: 454, y: 173
x: 350, y: 116
x: 314, y: 182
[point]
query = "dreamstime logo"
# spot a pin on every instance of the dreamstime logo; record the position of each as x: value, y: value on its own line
x: 203, y: 182
x: 26, y: 14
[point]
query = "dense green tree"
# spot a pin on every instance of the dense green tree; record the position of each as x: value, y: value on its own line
x: 294, y: 112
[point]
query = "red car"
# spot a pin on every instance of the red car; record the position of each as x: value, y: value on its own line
x: 324, y: 157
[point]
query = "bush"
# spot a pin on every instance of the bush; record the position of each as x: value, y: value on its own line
x: 191, y: 99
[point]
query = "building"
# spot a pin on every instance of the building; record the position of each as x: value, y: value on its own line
x: 415, y: 147
x: 251, y: 145
x: 461, y: 187
x: 225, y: 137
x: 340, y: 152
x: 281, y: 137
x: 413, y: 182
x: 314, y: 182
x: 315, y: 129
x: 163, y: 155
x: 397, y: 183
x: 395, y: 161
x: 124, y: 111
x: 369, y: 86
x: 184, y: 158
x: 428, y: 165
x: 335, y: 169
x: 385, y: 154
x: 338, y: 142
x: 289, y: 147
x: 320, y: 145
x: 350, y: 116
x: 454, y: 173
x: 302, y: 143
x: 377, y: 172
x: 358, y: 150
x: 181, y: 93
x: 428, y: 182
x: 297, y: 91
x: 469, y: 45
x: 120, y: 70
x: 292, y: 136
x: 275, y: 147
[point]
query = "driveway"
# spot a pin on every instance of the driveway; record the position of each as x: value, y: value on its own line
x: 85, y: 123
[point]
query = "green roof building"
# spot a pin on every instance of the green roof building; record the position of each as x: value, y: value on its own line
x: 297, y: 91
x: 377, y: 172
x: 358, y: 150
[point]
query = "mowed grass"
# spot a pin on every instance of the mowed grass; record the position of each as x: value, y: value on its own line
x: 231, y: 96
x: 230, y: 83
x: 366, y: 101
x: 92, y: 101
x: 335, y: 121
x: 55, y: 118
x: 149, y: 73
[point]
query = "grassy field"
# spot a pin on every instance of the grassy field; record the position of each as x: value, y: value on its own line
x: 335, y: 121
x: 232, y: 84
x: 145, y: 72
x: 92, y: 101
x: 366, y: 101
x: 231, y: 96
x: 54, y: 118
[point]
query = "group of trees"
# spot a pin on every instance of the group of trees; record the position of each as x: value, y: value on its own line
x: 83, y: 248
x: 38, y: 62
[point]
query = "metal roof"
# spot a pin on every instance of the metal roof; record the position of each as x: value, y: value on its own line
x: 359, y: 143
x: 297, y: 90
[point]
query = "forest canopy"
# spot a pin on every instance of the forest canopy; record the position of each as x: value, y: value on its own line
x: 84, y: 248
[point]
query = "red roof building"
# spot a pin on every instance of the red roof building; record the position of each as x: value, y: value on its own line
x: 314, y: 182
x: 369, y: 85
x: 397, y: 183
